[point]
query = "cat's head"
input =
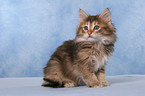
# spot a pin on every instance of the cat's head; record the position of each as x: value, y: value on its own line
x: 95, y: 28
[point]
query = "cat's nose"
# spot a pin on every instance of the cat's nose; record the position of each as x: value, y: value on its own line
x: 89, y: 33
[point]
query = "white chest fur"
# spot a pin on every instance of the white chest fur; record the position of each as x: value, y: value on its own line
x: 98, y: 62
x: 98, y: 58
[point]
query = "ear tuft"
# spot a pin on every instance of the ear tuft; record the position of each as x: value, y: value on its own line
x: 82, y: 15
x: 106, y: 15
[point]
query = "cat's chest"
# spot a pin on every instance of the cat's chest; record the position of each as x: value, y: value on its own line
x: 97, y: 57
x: 92, y: 54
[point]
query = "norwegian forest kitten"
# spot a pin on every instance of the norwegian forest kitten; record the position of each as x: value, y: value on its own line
x: 82, y: 61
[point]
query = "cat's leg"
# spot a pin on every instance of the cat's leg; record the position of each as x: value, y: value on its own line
x: 89, y: 77
x: 69, y: 83
x: 52, y: 74
x: 101, y: 77
x: 56, y: 81
x: 52, y: 81
x: 69, y: 78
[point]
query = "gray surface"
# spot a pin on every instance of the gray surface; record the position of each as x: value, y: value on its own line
x: 119, y: 86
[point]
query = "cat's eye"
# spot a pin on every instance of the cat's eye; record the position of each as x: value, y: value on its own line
x: 96, y: 27
x: 86, y: 27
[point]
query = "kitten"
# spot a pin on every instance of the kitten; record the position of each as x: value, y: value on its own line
x: 82, y: 61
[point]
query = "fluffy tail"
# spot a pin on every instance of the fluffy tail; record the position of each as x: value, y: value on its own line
x: 51, y: 83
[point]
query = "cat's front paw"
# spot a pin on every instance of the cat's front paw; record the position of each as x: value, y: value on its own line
x: 104, y: 83
x: 94, y: 85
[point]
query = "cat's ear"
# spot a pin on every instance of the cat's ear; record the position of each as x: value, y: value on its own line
x: 82, y: 15
x: 106, y: 16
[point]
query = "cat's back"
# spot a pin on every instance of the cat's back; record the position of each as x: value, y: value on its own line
x: 68, y: 48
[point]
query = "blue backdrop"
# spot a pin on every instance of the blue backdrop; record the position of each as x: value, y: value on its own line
x: 31, y: 30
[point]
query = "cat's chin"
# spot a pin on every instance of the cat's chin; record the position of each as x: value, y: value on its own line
x: 89, y: 39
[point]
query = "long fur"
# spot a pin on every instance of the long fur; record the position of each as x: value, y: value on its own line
x: 82, y: 61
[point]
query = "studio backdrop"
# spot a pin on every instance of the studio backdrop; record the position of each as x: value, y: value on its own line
x: 31, y: 30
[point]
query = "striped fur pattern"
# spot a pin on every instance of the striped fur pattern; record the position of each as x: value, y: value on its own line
x: 82, y: 61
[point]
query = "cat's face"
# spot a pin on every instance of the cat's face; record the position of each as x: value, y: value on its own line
x: 95, y: 28
x: 89, y: 31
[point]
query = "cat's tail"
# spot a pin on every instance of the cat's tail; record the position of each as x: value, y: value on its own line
x: 51, y: 83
